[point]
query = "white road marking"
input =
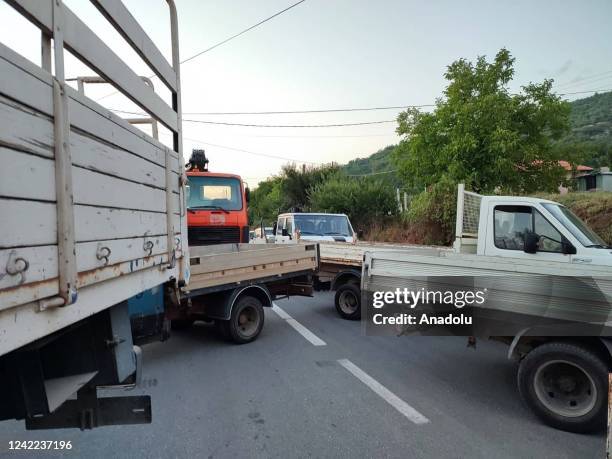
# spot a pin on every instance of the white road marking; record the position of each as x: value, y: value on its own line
x: 392, y: 399
x: 298, y: 327
x: 281, y: 312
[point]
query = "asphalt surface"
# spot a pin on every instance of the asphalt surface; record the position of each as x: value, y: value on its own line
x: 282, y: 396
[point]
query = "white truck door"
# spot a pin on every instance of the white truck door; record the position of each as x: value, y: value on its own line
x: 280, y: 226
x: 507, y: 228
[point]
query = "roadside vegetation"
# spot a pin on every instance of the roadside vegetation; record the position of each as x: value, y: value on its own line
x: 480, y: 134
x: 595, y: 209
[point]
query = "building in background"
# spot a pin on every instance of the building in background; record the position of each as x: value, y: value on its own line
x: 600, y: 180
x: 571, y: 174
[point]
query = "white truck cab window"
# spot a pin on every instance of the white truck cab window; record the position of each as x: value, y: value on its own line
x: 550, y: 240
x: 289, y: 226
x: 511, y: 223
x: 279, y: 226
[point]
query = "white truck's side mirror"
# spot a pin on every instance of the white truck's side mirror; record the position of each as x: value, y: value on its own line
x: 530, y: 242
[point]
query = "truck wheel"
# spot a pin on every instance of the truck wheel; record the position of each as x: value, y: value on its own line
x: 181, y: 324
x: 566, y: 386
x: 348, y: 301
x: 246, y: 321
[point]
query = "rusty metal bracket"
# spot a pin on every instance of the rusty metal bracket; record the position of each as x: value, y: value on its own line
x: 103, y: 253
x: 16, y: 266
x: 147, y: 245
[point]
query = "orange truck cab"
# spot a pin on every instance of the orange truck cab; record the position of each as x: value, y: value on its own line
x: 217, y: 204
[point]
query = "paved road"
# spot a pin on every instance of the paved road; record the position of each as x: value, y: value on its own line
x: 282, y: 396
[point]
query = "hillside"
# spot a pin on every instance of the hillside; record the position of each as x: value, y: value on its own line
x: 377, y: 162
x: 590, y: 119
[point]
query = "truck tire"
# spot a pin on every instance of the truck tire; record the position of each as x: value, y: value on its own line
x: 181, y: 324
x: 348, y: 301
x: 566, y: 386
x: 246, y: 321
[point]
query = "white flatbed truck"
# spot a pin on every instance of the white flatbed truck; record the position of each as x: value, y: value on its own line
x: 538, y: 260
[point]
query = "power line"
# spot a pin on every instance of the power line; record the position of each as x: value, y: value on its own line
x: 329, y: 110
x: 223, y: 41
x: 580, y: 80
x: 278, y: 136
x: 586, y: 92
x: 372, y: 173
x: 242, y: 32
x: 362, y: 123
x: 284, y: 158
x: 288, y: 125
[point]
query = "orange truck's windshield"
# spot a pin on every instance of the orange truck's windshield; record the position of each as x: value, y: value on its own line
x: 205, y: 192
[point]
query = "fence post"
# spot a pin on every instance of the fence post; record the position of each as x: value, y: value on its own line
x: 399, y: 201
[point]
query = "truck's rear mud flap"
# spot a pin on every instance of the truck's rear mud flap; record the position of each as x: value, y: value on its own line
x: 88, y: 412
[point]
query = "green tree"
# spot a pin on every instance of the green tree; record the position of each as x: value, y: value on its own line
x: 482, y: 135
x: 266, y: 202
x: 297, y: 182
x: 364, y: 199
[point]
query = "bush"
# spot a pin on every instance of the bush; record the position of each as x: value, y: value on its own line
x: 432, y: 212
x: 365, y: 200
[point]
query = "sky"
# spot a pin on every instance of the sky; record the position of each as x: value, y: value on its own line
x: 328, y: 54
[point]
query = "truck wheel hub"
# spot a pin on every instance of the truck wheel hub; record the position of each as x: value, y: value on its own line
x: 565, y: 388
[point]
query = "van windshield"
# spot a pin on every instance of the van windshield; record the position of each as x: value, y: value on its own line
x: 213, y: 193
x: 323, y: 225
x: 574, y: 225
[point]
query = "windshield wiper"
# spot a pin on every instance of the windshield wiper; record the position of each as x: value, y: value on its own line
x: 598, y: 246
x: 193, y: 208
x: 311, y: 233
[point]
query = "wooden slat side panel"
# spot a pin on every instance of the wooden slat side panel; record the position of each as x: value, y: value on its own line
x: 102, y: 190
x: 28, y: 130
x: 26, y: 176
x: 87, y: 104
x: 228, y: 261
x: 81, y: 41
x: 42, y: 263
x: 33, y: 177
x: 114, y: 130
x: 11, y: 298
x: 24, y: 81
x: 95, y: 224
x: 29, y: 223
x: 40, y: 281
x: 42, y: 260
x: 249, y: 273
x: 33, y: 91
x: 120, y: 17
x: 91, y: 154
x: 25, y: 129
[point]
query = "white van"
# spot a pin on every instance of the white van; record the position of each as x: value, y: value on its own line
x: 313, y: 227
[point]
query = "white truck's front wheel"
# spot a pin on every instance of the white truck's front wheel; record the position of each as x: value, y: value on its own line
x: 565, y: 384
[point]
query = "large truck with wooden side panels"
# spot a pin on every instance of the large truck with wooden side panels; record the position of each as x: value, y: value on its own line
x: 94, y: 251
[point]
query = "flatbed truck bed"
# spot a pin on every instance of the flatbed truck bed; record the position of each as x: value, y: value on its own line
x: 230, y: 284
x: 341, y: 267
